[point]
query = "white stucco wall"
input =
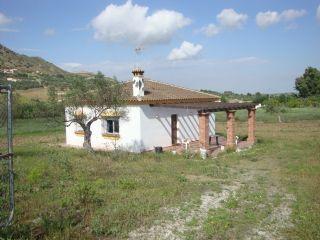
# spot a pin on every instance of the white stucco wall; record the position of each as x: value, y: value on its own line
x: 143, y: 128
x: 129, y: 131
x: 156, y: 122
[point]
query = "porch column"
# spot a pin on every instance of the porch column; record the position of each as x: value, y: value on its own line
x: 204, y: 129
x: 251, y: 125
x: 230, y: 128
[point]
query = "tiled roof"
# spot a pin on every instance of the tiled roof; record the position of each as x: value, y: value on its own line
x: 158, y: 93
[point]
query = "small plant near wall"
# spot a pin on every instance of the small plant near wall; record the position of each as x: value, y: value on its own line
x: 187, y: 154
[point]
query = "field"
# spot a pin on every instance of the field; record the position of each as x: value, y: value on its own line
x: 34, y: 93
x: 270, y: 191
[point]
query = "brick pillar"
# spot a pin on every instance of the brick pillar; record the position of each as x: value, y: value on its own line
x: 230, y: 128
x: 251, y: 125
x: 204, y: 130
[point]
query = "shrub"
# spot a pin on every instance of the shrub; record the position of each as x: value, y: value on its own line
x: 127, y: 184
x: 36, y: 174
x: 85, y: 193
x: 28, y: 109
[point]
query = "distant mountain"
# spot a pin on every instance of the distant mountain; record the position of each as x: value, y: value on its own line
x: 25, y: 64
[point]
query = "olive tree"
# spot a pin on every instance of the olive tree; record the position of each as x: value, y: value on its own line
x: 87, y: 100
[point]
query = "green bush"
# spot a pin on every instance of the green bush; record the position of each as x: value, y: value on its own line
x: 85, y: 193
x: 127, y: 184
x: 30, y: 109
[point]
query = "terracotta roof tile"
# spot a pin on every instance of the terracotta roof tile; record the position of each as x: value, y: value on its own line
x: 158, y: 92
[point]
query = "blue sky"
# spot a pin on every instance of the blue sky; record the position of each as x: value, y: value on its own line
x: 238, y: 45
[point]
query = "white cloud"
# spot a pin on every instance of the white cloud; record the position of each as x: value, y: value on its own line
x: 8, y: 30
x: 318, y: 13
x: 187, y: 50
x: 229, y: 18
x: 72, y: 65
x: 210, y: 30
x: 49, y: 32
x: 130, y: 24
x: 28, y: 50
x: 4, y: 19
x: 247, y: 60
x: 266, y: 19
x: 292, y: 26
x: 292, y: 14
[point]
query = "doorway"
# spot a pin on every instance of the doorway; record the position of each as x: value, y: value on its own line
x: 174, y: 129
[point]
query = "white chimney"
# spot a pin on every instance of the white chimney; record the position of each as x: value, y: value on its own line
x: 138, y: 82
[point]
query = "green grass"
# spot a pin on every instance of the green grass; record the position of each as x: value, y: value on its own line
x: 64, y: 193
x: 65, y: 190
x: 41, y: 126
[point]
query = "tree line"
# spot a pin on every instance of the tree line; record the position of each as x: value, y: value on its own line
x: 307, y: 95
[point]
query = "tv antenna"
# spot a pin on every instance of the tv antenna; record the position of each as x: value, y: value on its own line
x: 138, y: 51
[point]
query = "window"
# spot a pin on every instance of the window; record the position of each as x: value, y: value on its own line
x: 111, y: 125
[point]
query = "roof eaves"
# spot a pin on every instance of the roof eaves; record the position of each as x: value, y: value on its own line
x: 189, y: 89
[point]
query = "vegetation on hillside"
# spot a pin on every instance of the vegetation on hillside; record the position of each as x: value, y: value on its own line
x: 25, y: 64
x: 33, y: 72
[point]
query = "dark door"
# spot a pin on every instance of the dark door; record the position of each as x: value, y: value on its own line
x: 174, y: 128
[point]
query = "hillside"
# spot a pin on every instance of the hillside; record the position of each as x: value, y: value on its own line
x: 25, y: 64
x: 25, y: 72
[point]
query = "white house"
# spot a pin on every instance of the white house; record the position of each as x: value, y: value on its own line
x: 156, y: 115
x: 9, y: 70
x: 10, y: 79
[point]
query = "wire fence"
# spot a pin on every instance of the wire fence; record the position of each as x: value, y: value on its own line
x: 3, y: 123
x: 6, y: 157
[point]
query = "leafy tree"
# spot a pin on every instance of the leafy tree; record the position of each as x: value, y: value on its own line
x: 273, y: 106
x: 55, y: 105
x: 260, y: 98
x: 98, y: 95
x: 309, y: 83
x: 52, y: 94
x: 223, y: 99
x: 282, y: 98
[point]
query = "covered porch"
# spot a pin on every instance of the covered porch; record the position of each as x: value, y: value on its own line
x: 213, y: 149
x: 215, y: 144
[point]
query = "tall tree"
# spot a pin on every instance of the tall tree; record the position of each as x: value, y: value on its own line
x: 97, y: 96
x: 309, y: 83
